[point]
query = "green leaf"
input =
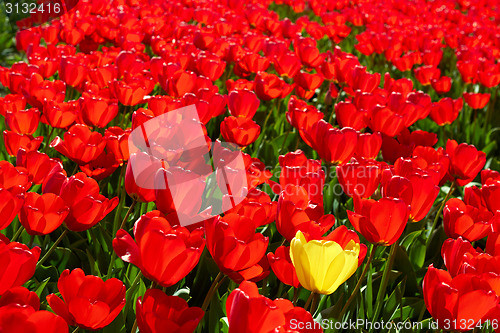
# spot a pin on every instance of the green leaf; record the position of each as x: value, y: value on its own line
x: 417, y: 253
x: 41, y: 287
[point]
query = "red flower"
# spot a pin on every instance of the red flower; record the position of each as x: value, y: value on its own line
x: 96, y: 111
x: 335, y: 146
x: 157, y: 312
x: 446, y: 110
x: 234, y: 244
x: 282, y: 266
x: 180, y: 249
x: 72, y: 70
x: 442, y: 85
x: 23, y: 121
x: 117, y: 142
x: 464, y: 220
x: 81, y: 195
x: 369, y: 145
x: 270, y: 86
x: 60, y: 115
x: 80, y: 144
x: 380, y: 222
x: 243, y: 103
x: 418, y: 190
x: 297, y: 212
x: 88, y: 301
x: 17, y: 263
x: 360, y: 175
x: 476, y: 101
x: 38, y: 164
x: 465, y: 161
x: 248, y: 311
x: 462, y: 301
x: 42, y: 214
x: 242, y: 131
x: 19, y: 312
x: 13, y: 141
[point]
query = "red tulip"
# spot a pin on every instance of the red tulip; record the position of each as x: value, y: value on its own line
x: 360, y: 175
x: 23, y: 121
x: 464, y: 220
x: 282, y: 266
x: 234, y: 245
x: 38, y: 164
x: 96, y: 111
x: 297, y: 212
x: 157, y: 312
x: 72, y: 70
x: 17, y: 263
x: 297, y: 169
x: 335, y: 146
x: 81, y: 194
x: 11, y: 202
x: 88, y: 301
x: 465, y: 161
x: 380, y: 222
x: 348, y: 115
x: 242, y: 131
x: 145, y: 192
x: 270, y: 86
x: 12, y: 103
x: 60, y: 115
x: 426, y: 74
x: 442, y: 85
x: 42, y: 214
x: 19, y: 312
x: 446, y: 110
x: 417, y: 190
x: 80, y: 144
x: 243, y: 103
x: 180, y: 249
x: 248, y: 311
x: 368, y: 145
x: 476, y: 101
x: 117, y: 143
x: 13, y: 141
x: 462, y: 301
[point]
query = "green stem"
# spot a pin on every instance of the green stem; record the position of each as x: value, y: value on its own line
x: 360, y: 282
x: 215, y: 285
x: 129, y: 211
x: 18, y: 233
x: 385, y: 280
x: 52, y: 248
x: 309, y: 300
x: 76, y: 329
x: 438, y: 213
x: 48, y: 139
x: 134, y: 327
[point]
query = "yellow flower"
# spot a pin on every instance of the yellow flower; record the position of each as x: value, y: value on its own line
x: 321, y: 265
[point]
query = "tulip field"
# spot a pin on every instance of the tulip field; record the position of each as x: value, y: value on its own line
x: 249, y: 166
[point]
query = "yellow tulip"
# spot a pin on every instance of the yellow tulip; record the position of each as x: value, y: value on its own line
x: 321, y: 265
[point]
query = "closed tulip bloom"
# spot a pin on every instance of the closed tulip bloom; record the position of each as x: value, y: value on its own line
x: 17, y: 263
x: 464, y: 220
x: 322, y: 265
x: 11, y: 202
x: 80, y: 144
x: 243, y: 103
x: 463, y: 300
x: 282, y: 266
x: 38, y: 164
x: 380, y: 222
x: 23, y: 121
x: 157, y: 312
x: 442, y: 85
x: 81, y: 194
x: 233, y: 243
x: 13, y: 141
x: 476, y: 101
x: 97, y: 111
x: 164, y: 253
x: 88, y: 301
x: 465, y: 161
x: 42, y: 214
x: 242, y: 131
x: 446, y: 110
